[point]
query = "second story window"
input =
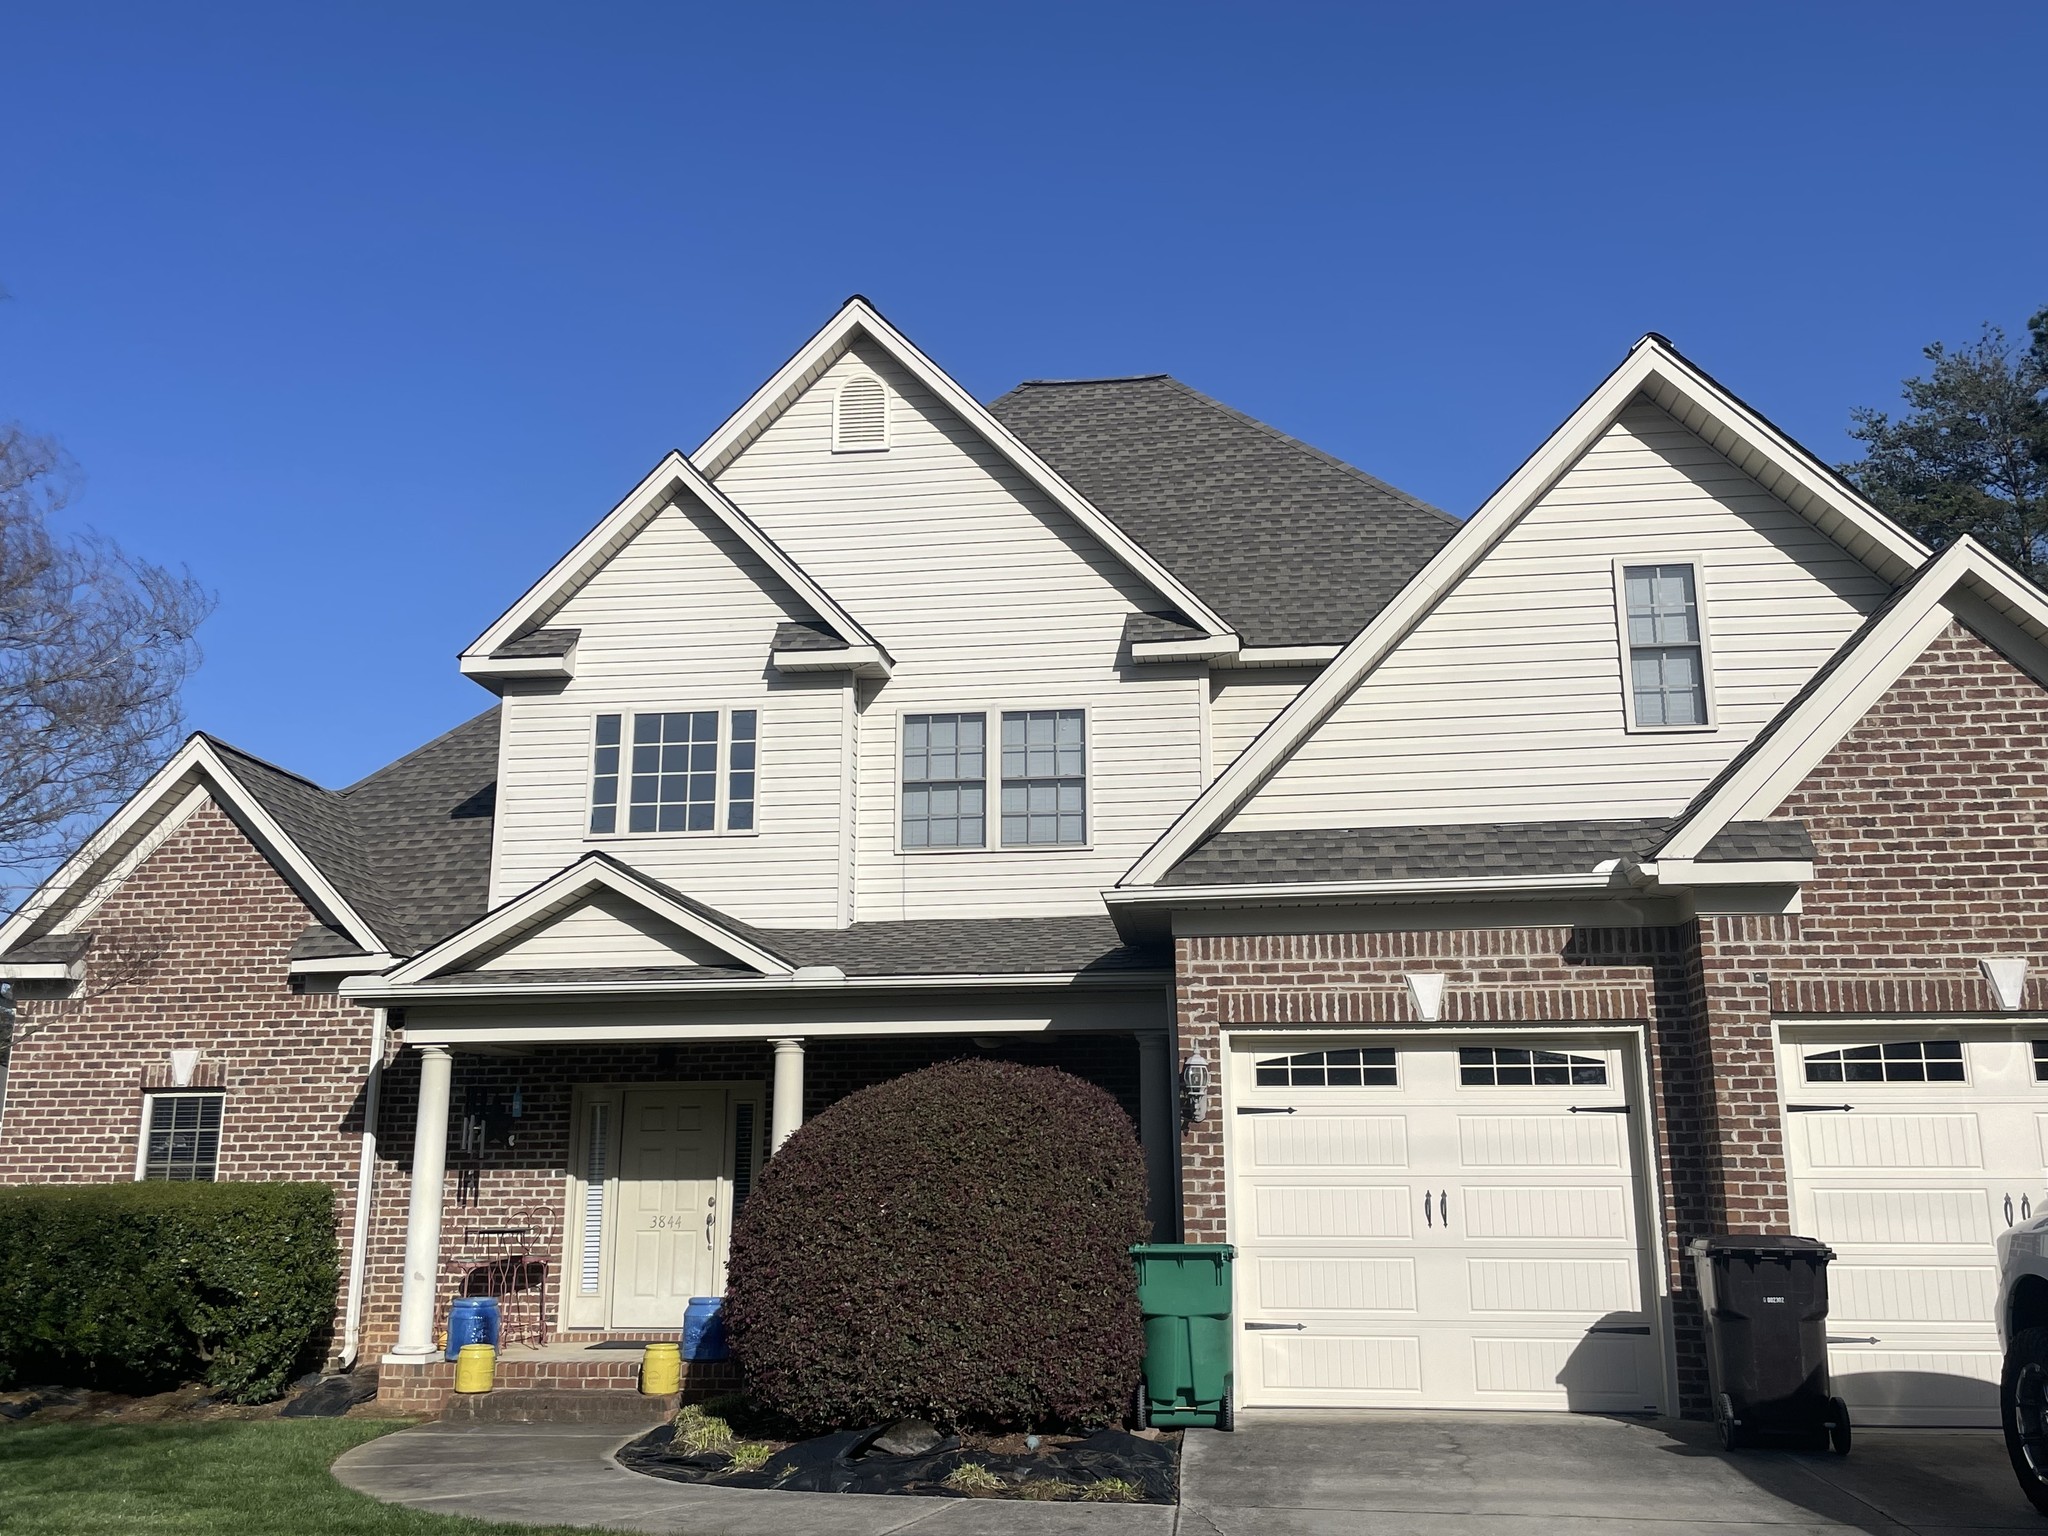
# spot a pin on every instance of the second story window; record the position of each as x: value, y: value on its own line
x: 1664, y: 646
x: 1045, y: 778
x: 692, y: 770
x: 945, y: 781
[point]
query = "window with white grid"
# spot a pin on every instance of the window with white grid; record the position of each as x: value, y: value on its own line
x: 1045, y: 778
x: 1667, y: 676
x: 945, y: 781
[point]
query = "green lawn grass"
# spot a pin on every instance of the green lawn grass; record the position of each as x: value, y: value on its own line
x: 228, y: 1477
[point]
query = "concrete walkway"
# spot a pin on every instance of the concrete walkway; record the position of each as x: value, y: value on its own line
x: 1359, y: 1474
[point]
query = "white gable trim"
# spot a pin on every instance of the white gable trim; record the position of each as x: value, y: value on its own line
x: 856, y: 319
x: 169, y: 794
x: 546, y: 597
x: 558, y: 893
x: 1796, y: 742
x: 1653, y: 369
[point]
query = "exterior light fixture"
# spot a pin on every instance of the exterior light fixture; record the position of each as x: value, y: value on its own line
x: 1194, y: 1088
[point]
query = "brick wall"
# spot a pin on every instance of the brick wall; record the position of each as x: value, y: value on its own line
x: 190, y: 951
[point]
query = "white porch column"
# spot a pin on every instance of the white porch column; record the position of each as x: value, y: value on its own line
x: 1155, y: 1133
x: 423, y: 1216
x: 788, y: 1109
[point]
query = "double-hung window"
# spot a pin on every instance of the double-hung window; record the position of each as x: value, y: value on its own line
x: 1042, y: 779
x: 1045, y: 778
x: 945, y: 781
x: 1665, y: 646
x: 181, y: 1136
x: 690, y: 770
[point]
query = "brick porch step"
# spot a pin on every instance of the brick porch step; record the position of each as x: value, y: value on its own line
x: 583, y: 1405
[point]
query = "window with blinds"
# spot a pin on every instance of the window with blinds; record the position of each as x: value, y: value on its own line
x: 591, y: 1268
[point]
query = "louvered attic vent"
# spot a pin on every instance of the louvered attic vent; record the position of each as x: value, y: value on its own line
x: 860, y: 416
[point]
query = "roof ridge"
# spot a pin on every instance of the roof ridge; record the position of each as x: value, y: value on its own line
x: 1107, y: 378
x: 1309, y: 448
x: 264, y: 762
x: 407, y: 757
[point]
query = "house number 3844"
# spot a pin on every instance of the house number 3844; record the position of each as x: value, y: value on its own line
x: 670, y: 1223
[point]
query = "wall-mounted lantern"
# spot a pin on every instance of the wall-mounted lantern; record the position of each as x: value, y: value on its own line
x: 1194, y: 1088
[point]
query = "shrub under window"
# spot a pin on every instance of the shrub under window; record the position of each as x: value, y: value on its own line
x: 952, y: 1244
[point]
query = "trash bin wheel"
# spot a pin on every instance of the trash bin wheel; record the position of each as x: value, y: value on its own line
x: 1141, y: 1407
x: 1838, y: 1426
x: 1226, y: 1411
x: 1724, y: 1420
x: 2023, y: 1407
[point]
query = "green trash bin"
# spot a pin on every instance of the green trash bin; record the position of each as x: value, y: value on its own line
x: 1184, y: 1292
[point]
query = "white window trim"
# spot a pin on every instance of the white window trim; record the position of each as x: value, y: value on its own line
x: 1628, y: 692
x: 148, y: 1109
x: 888, y: 433
x: 992, y: 783
x: 718, y: 817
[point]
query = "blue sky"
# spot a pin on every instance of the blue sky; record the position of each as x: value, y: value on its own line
x: 367, y: 312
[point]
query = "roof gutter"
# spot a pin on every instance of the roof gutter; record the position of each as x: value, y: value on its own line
x: 376, y: 989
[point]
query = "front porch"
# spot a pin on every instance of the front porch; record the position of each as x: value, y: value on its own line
x: 591, y: 1181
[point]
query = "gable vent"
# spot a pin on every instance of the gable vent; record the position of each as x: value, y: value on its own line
x: 860, y: 416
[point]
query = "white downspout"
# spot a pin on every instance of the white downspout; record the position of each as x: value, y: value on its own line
x: 366, y: 1175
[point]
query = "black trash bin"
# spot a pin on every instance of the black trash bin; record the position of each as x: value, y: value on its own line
x: 1766, y: 1305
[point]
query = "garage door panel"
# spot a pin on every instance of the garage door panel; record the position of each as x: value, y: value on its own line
x: 1533, y: 1211
x: 1925, y: 1387
x: 1893, y: 1217
x: 1330, y: 1141
x: 1300, y: 1285
x: 1340, y: 1364
x: 1902, y: 1293
x: 1553, y: 1285
x: 1540, y: 1141
x: 1859, y: 1140
x: 1332, y: 1211
x: 1596, y: 1371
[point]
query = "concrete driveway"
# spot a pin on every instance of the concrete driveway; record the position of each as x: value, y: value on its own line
x: 1407, y: 1474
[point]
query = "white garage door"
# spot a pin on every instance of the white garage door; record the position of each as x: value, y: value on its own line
x: 1908, y: 1157
x: 1440, y: 1226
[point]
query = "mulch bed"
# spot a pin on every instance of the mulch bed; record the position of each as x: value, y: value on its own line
x: 310, y: 1396
x: 1060, y: 1468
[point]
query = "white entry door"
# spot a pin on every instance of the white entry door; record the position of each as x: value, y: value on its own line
x: 1909, y: 1153
x: 667, y: 1223
x: 1425, y: 1225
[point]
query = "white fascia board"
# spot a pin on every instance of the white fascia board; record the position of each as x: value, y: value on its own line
x: 195, y: 762
x: 1283, y: 656
x: 858, y: 317
x: 1797, y: 744
x: 1209, y: 647
x: 559, y: 891
x: 342, y: 965
x: 1319, y: 891
x: 866, y: 660
x: 43, y: 970
x: 674, y: 472
x: 1677, y: 874
x: 389, y: 991
x: 1651, y: 367
x: 422, y: 1029
x: 485, y: 668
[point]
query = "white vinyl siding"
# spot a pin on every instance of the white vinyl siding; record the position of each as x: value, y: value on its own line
x: 681, y: 619
x: 606, y: 930
x: 1242, y: 703
x: 1506, y: 702
x: 988, y: 598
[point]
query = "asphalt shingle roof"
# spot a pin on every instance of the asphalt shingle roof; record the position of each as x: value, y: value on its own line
x: 538, y: 642
x: 1461, y: 851
x: 806, y: 635
x: 1290, y: 545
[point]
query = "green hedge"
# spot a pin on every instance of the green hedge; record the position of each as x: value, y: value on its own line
x: 138, y: 1287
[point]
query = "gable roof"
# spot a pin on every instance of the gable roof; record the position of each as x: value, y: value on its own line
x: 1654, y: 370
x: 521, y: 633
x: 388, y: 864
x: 1290, y: 545
x: 858, y: 321
x: 1795, y: 740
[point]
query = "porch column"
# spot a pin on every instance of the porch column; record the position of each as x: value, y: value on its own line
x: 423, y: 1216
x: 788, y: 1110
x: 1155, y: 1133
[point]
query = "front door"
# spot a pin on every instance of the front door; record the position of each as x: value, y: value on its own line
x: 1438, y: 1226
x: 666, y: 1225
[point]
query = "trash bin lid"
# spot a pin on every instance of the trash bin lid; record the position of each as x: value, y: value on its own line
x: 1761, y: 1245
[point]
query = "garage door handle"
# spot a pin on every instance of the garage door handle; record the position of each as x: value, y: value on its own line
x: 1819, y: 1109
x: 1264, y: 1109
x: 1853, y: 1338
x: 1274, y: 1327
x: 1599, y: 1109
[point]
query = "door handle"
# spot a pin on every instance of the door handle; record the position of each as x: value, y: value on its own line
x: 1443, y: 1209
x: 1264, y: 1109
x: 2008, y: 1210
x: 1427, y: 1219
x: 711, y: 1224
x: 2026, y: 1208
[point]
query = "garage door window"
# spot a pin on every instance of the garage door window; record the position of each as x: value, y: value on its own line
x: 1895, y: 1061
x: 1487, y: 1066
x: 1366, y: 1067
x: 2041, y: 1061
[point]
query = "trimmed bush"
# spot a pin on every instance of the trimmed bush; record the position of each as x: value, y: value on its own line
x: 138, y: 1287
x: 951, y: 1245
